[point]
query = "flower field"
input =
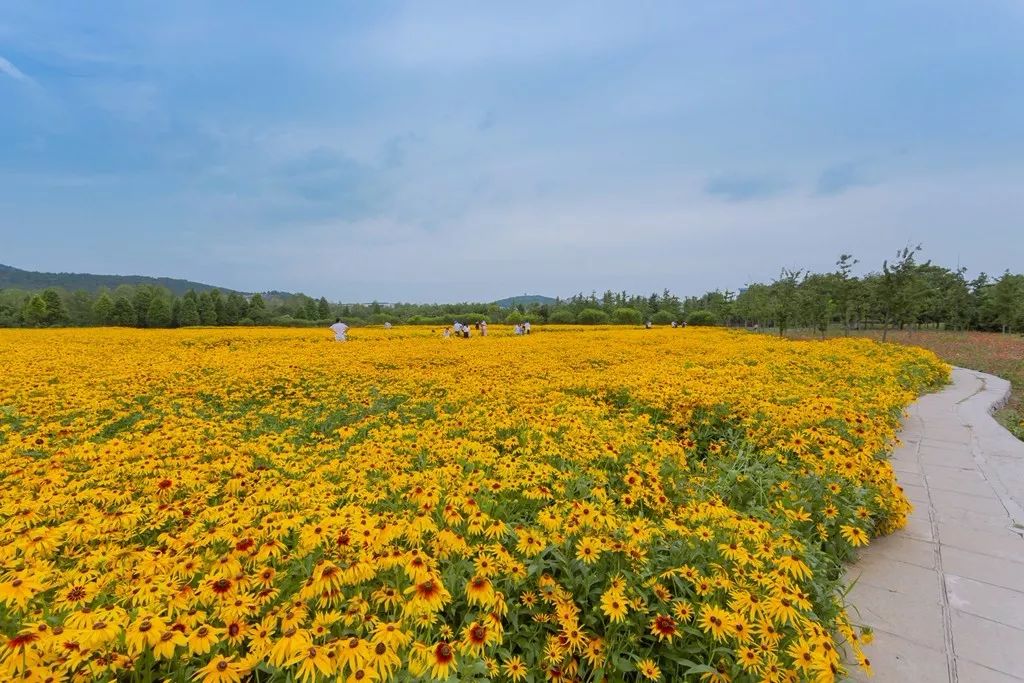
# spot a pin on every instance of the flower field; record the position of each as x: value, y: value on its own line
x: 574, y: 505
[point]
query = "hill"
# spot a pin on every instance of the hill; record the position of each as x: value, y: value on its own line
x: 525, y: 300
x: 15, y: 278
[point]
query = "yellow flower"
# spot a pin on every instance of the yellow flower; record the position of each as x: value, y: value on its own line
x: 245, y: 497
x: 648, y: 669
x: 202, y: 639
x: 514, y: 668
x: 714, y: 621
x: 219, y: 669
x: 854, y: 535
x: 614, y: 605
x: 588, y: 550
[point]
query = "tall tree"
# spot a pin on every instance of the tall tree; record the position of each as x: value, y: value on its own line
x: 189, y: 314
x: 141, y: 299
x: 784, y: 299
x: 895, y: 290
x: 1008, y: 300
x: 845, y: 290
x: 159, y: 312
x: 103, y: 310
x: 123, y: 313
x: 207, y: 309
x: 34, y: 312
x: 323, y: 309
x: 56, y: 311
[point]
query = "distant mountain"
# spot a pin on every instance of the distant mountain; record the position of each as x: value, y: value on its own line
x: 525, y: 300
x: 15, y: 278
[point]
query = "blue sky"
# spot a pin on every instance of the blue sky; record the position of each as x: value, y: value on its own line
x: 449, y: 151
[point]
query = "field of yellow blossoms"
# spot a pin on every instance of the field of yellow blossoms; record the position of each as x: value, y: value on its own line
x: 222, y: 505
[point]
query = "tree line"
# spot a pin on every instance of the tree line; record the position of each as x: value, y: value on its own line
x: 905, y: 291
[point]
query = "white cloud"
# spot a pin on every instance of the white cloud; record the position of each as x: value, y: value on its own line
x: 14, y: 72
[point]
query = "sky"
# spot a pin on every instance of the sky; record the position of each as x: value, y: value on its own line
x: 444, y: 151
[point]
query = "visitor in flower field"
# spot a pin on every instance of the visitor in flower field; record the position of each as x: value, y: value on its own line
x: 648, y: 324
x: 447, y: 333
x: 340, y: 330
x: 483, y: 328
x: 526, y: 327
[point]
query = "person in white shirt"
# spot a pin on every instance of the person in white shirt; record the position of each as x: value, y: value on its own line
x: 483, y: 328
x: 387, y: 326
x: 340, y: 330
x: 526, y: 327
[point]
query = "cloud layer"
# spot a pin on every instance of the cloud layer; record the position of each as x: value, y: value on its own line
x: 464, y: 151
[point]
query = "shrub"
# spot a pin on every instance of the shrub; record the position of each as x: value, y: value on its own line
x: 562, y: 316
x: 592, y: 316
x: 702, y: 318
x: 627, y: 316
x: 663, y: 317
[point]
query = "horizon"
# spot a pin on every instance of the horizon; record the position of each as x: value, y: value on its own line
x: 856, y: 272
x: 459, y: 152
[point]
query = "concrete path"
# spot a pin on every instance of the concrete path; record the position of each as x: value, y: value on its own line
x: 945, y: 595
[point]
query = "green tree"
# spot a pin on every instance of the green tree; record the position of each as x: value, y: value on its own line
x: 562, y: 316
x: 592, y: 316
x: 159, y: 312
x: 754, y: 305
x: 815, y: 301
x: 56, y: 311
x: 1008, y: 300
x: 663, y: 317
x: 323, y: 309
x: 844, y: 294
x: 258, y: 309
x: 79, y: 305
x: 103, y: 310
x: 189, y: 314
x: 235, y: 308
x: 627, y: 316
x: 702, y: 319
x: 123, y: 313
x: 784, y: 308
x: 207, y: 309
x: 34, y: 312
x: 141, y: 299
x: 896, y: 291
x: 220, y: 315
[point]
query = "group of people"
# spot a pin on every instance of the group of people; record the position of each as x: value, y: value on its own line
x: 340, y: 329
x: 522, y: 328
x: 462, y: 330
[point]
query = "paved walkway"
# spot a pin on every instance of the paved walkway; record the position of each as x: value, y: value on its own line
x: 945, y: 595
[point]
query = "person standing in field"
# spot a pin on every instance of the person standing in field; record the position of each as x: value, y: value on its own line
x: 483, y: 328
x: 526, y: 327
x: 340, y: 330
